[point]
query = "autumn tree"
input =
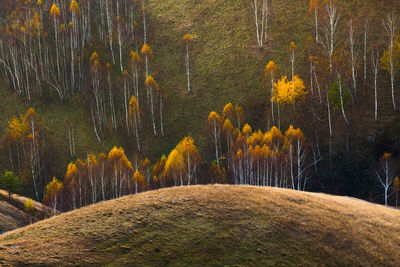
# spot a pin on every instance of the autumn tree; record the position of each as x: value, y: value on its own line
x: 292, y: 50
x: 147, y: 53
x: 214, y: 124
x: 152, y: 89
x: 174, y: 166
x: 386, y: 173
x: 187, y: 39
x: 29, y: 208
x: 52, y: 194
x: 191, y: 158
x: 270, y: 72
x: 138, y: 179
x: 134, y: 112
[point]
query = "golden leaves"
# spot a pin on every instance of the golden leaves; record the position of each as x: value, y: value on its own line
x: 146, y: 50
x: 74, y: 7
x: 187, y: 38
x: 151, y: 82
x: 288, y: 92
x: 55, y: 11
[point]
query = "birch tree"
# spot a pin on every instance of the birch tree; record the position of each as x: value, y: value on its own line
x: 330, y: 30
x: 214, y: 123
x: 187, y: 39
x: 391, y: 25
x: 386, y: 174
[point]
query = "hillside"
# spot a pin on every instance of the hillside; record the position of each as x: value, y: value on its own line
x: 12, y: 214
x: 11, y: 218
x: 226, y: 67
x: 213, y: 225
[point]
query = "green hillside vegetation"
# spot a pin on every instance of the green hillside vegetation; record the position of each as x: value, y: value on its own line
x: 213, y: 225
x: 227, y: 66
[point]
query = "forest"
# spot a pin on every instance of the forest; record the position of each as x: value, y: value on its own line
x: 103, y: 104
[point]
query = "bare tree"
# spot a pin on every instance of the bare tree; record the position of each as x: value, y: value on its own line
x: 330, y: 31
x: 391, y: 24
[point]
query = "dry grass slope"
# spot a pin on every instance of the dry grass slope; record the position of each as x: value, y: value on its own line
x: 213, y: 225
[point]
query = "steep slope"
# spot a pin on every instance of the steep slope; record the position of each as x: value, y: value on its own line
x: 12, y: 215
x: 11, y: 218
x: 213, y: 225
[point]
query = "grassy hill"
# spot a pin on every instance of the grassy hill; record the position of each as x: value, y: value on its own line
x: 12, y: 214
x: 213, y: 225
x: 11, y: 217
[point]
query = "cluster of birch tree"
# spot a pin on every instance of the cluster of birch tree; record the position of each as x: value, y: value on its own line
x: 269, y: 158
x: 53, y: 46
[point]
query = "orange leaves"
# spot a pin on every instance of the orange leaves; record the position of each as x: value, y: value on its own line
x: 55, y: 11
x: 293, y: 133
x: 386, y: 156
x: 213, y: 117
x: 135, y: 58
x: 19, y: 128
x: 94, y: 56
x: 247, y: 130
x: 288, y: 92
x: 188, y: 149
x: 39, y: 2
x: 146, y: 50
x: 133, y: 106
x: 174, y: 164
x: 151, y: 82
x: 187, y: 38
x: 94, y: 59
x: 138, y: 177
x: 270, y: 69
x: 74, y: 7
x: 292, y: 46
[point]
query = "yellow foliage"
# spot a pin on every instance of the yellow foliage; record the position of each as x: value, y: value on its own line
x: 138, y: 177
x: 187, y: 38
x: 228, y: 110
x: 247, y: 130
x: 213, y: 117
x: 133, y: 106
x: 146, y: 50
x: 94, y: 56
x: 55, y: 11
x: 39, y: 2
x: 293, y: 133
x: 135, y: 58
x: 288, y: 92
x: 151, y: 82
x: 385, y: 59
x: 52, y: 189
x: 227, y: 126
x: 292, y: 46
x: 74, y: 7
x: 29, y: 206
x: 174, y: 163
x: 386, y: 156
x: 270, y: 69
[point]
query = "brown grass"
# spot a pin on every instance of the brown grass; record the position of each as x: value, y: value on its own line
x: 11, y: 218
x: 213, y: 225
